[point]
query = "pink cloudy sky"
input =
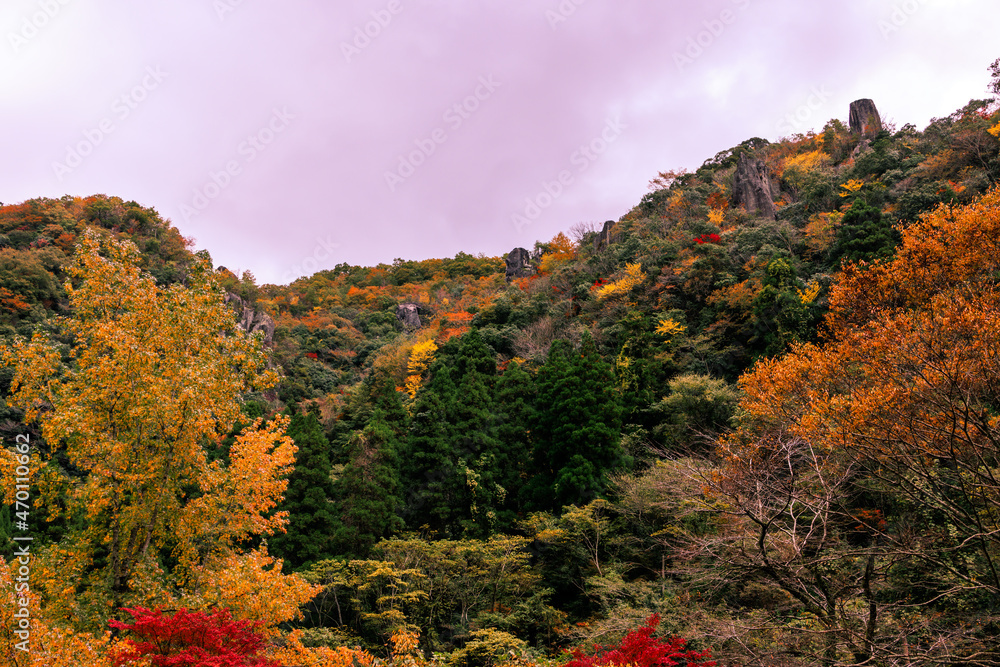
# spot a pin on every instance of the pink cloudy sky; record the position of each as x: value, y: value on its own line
x: 285, y: 140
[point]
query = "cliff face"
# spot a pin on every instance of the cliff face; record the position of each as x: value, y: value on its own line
x: 409, y: 315
x: 250, y: 319
x: 606, y: 236
x: 864, y: 118
x: 519, y: 264
x: 752, y: 187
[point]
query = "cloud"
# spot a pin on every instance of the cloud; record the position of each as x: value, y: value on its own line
x: 358, y: 110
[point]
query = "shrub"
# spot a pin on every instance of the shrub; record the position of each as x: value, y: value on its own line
x: 640, y: 649
x: 191, y: 639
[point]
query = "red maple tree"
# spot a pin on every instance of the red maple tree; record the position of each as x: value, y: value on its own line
x: 191, y: 639
x: 641, y: 649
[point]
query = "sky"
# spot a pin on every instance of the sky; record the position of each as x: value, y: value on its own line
x: 288, y: 137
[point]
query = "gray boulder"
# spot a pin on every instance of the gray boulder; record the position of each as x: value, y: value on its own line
x: 519, y: 264
x: 409, y: 315
x: 752, y: 187
x: 864, y: 118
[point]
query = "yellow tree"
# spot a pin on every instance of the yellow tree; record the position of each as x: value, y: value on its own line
x: 421, y: 358
x: 152, y: 381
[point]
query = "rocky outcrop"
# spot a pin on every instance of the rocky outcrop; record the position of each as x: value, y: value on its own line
x: 251, y: 319
x: 864, y: 118
x: 605, y: 236
x: 409, y: 315
x: 752, y: 187
x: 519, y: 264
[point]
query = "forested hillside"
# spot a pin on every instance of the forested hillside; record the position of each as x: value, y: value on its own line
x: 758, y: 412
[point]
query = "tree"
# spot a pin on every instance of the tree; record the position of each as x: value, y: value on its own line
x: 430, y: 472
x: 640, y: 649
x: 154, y: 375
x: 187, y: 639
x: 514, y: 401
x: 697, y: 407
x: 576, y: 437
x: 451, y: 466
x: 864, y: 234
x: 308, y: 501
x: 367, y: 492
x: 876, y: 452
x: 421, y: 358
x: 472, y: 424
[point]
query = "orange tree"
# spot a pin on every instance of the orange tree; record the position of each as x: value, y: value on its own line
x: 866, y: 467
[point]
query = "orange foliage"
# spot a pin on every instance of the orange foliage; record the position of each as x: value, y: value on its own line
x: 454, y: 324
x: 561, y: 250
x: 12, y: 302
x: 913, y: 343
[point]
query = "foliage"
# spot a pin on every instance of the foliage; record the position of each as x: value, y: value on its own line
x: 576, y: 437
x: 641, y: 649
x: 850, y: 517
x: 884, y: 430
x: 420, y: 360
x: 187, y: 639
x: 311, y: 521
x: 632, y: 277
x: 698, y: 407
x: 155, y: 374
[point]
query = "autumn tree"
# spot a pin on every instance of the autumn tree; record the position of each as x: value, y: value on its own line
x: 190, y: 639
x: 421, y: 358
x: 877, y: 451
x: 557, y: 252
x: 152, y: 376
x: 639, y: 648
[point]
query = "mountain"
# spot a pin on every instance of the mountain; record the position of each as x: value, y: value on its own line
x: 759, y: 404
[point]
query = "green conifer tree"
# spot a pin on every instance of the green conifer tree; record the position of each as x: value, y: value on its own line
x: 430, y: 467
x: 452, y: 460
x: 367, y: 492
x: 577, y: 431
x: 473, y: 431
x: 514, y: 413
x: 311, y: 519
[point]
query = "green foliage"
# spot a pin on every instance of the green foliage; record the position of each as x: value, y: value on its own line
x: 488, y: 648
x: 588, y: 374
x: 576, y: 437
x: 864, y: 235
x: 367, y: 491
x: 308, y: 498
x: 697, y: 408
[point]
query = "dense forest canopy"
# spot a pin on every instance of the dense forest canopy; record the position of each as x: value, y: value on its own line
x: 759, y: 412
